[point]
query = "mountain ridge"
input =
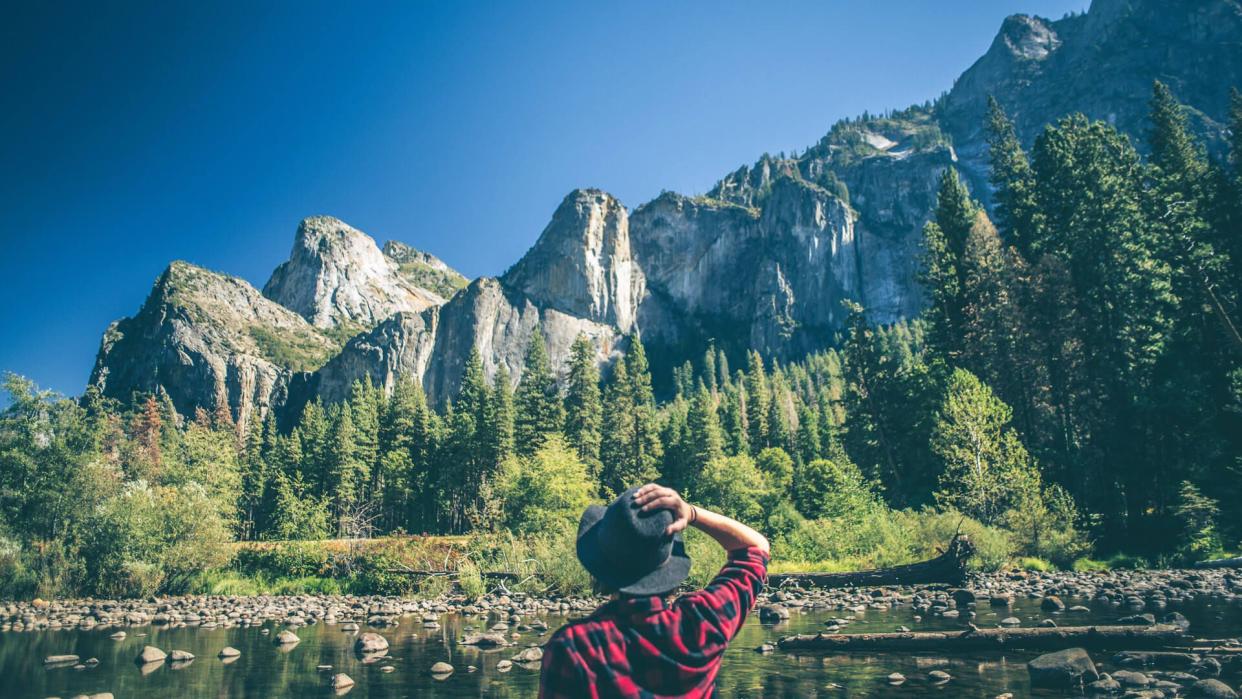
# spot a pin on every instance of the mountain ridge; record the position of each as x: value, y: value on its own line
x: 763, y: 261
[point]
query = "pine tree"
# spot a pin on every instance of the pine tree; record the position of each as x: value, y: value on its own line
x: 583, y: 405
x: 538, y: 406
x: 631, y: 448
x: 709, y: 367
x: 346, y: 472
x: 704, y: 433
x: 807, y: 440
x: 618, y: 431
x: 312, y: 435
x: 255, y: 474
x: 780, y: 434
x: 645, y: 449
x: 365, y: 403
x: 500, y: 419
x: 1012, y: 177
x: 734, y: 422
x: 1090, y: 183
x: 757, y: 403
x: 944, y: 246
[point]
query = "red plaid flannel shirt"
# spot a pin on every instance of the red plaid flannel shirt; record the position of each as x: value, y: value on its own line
x: 638, y: 647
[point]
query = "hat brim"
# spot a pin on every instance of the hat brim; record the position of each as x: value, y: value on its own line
x: 666, y: 578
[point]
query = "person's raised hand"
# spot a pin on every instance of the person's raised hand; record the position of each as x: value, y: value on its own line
x: 656, y: 497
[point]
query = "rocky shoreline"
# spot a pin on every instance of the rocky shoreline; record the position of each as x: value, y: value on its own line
x: 1136, y: 592
x: 1137, y: 597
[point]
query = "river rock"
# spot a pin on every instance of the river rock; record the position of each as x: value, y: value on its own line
x: 939, y: 676
x: 1064, y: 668
x: 531, y: 655
x: 484, y: 640
x: 180, y: 656
x: 150, y: 654
x: 60, y: 659
x: 228, y: 652
x: 1129, y: 678
x: 1052, y: 603
x: 1161, y: 659
x: 896, y: 678
x: 340, y: 681
x: 286, y: 638
x: 370, y: 643
x: 773, y: 613
x: 1104, y: 685
x: 1211, y: 689
x: 441, y: 668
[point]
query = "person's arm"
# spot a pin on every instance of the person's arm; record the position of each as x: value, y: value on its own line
x: 728, y: 532
x: 714, y: 614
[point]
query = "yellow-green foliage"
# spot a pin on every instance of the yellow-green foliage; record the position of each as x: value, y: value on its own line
x: 886, y: 538
x: 1033, y: 563
x: 547, y: 491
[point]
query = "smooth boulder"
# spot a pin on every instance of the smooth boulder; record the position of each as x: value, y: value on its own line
x: 150, y: 654
x: 1211, y: 689
x: 1065, y: 668
x: 341, y: 681
x: 370, y: 643
x: 286, y: 638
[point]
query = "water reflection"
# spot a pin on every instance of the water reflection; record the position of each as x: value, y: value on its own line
x: 267, y: 669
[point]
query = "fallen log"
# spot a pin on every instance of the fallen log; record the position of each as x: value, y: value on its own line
x: 949, y: 567
x: 1235, y: 562
x: 1054, y: 638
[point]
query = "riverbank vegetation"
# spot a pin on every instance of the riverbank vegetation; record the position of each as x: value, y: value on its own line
x: 1073, y: 389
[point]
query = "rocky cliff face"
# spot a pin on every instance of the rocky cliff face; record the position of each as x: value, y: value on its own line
x: 207, y: 339
x: 432, y: 347
x: 582, y: 263
x: 763, y: 261
x: 337, y: 276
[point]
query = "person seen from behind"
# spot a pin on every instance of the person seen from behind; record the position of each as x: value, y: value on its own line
x: 639, y: 644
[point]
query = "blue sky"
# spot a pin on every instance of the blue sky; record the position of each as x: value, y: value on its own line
x: 137, y: 133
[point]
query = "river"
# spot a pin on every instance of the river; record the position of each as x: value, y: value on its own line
x: 265, y: 670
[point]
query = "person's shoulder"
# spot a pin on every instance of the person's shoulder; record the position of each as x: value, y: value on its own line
x: 571, y: 631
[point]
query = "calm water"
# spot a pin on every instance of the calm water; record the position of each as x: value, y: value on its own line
x: 264, y: 670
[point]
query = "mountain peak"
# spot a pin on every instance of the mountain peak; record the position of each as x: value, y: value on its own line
x: 582, y: 263
x: 337, y: 276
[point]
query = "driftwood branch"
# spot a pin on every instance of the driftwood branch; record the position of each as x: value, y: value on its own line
x: 949, y: 567
x: 1093, y: 637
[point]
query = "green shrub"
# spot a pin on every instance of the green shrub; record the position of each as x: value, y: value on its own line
x: 706, y: 557
x: 285, y: 560
x: 734, y: 486
x: 1034, y: 564
x: 547, y: 491
x: 225, y: 582
x: 1126, y: 561
x: 374, y: 575
x: 1088, y: 565
x: 470, y: 579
